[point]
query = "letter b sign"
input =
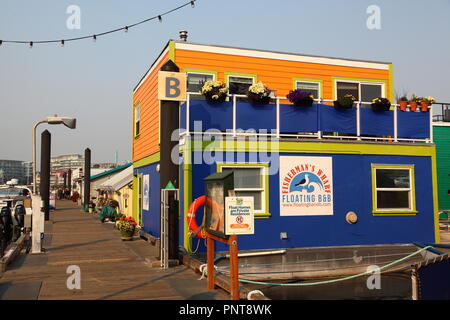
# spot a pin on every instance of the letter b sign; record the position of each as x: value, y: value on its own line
x: 171, y: 86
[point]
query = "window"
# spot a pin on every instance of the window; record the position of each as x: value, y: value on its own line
x: 313, y: 87
x: 137, y: 120
x: 239, y: 84
x: 393, y: 189
x: 195, y: 81
x: 365, y: 92
x: 250, y: 181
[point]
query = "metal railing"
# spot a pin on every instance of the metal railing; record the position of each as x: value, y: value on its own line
x: 442, y: 112
x: 317, y: 135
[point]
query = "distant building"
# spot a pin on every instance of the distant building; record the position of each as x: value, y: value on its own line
x: 12, y: 169
x: 66, y: 162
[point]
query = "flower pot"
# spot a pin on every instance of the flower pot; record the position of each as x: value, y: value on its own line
x: 306, y: 102
x: 379, y: 107
x: 412, y: 106
x: 403, y: 105
x: 257, y: 99
x: 338, y: 105
x: 126, y: 235
x: 424, y: 106
x: 221, y: 98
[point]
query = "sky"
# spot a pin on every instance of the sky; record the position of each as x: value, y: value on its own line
x: 93, y: 81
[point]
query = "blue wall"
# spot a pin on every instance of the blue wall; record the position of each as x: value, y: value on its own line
x: 151, y: 218
x: 352, y: 184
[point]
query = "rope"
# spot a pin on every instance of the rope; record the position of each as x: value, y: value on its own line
x: 249, y: 295
x: 204, y: 270
x: 333, y: 280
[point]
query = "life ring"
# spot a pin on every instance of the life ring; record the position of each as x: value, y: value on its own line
x: 197, y: 203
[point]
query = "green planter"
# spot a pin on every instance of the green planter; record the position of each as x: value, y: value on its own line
x: 126, y: 235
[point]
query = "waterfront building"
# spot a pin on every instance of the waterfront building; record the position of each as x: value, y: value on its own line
x: 326, y: 177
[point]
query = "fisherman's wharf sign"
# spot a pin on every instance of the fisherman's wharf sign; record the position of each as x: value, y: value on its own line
x: 306, y: 186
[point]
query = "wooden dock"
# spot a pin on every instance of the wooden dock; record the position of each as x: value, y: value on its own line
x: 110, y: 268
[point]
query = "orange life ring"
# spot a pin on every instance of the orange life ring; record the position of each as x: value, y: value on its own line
x: 197, y: 203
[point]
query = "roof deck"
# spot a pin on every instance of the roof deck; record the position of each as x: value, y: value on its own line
x: 238, y: 118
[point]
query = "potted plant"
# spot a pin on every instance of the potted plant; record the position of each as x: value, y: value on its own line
x: 403, y: 103
x: 126, y: 226
x: 345, y: 102
x: 413, y: 102
x: 300, y: 98
x: 214, y: 91
x: 425, y: 102
x: 259, y: 94
x: 381, y: 104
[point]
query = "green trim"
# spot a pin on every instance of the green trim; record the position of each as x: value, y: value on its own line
x: 360, y: 80
x: 319, y: 81
x: 391, y: 83
x: 147, y: 160
x: 434, y: 176
x: 265, y: 214
x: 401, y: 212
x: 187, y: 192
x: 172, y: 50
x: 320, y: 147
x: 105, y: 173
x: 135, y: 197
x: 202, y: 71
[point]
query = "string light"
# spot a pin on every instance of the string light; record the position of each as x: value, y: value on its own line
x: 94, y: 37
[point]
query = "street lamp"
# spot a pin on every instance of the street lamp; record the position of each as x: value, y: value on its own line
x: 68, y: 122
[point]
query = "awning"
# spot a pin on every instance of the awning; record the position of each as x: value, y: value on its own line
x: 118, y: 181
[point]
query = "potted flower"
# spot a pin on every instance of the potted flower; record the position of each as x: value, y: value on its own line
x: 425, y: 102
x: 413, y: 102
x: 126, y: 226
x: 258, y: 93
x: 345, y: 102
x: 300, y: 98
x: 214, y: 91
x: 403, y: 103
x: 381, y: 104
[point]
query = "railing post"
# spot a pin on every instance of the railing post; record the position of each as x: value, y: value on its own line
x: 234, y: 115
x: 319, y: 132
x: 431, y: 123
x: 358, y: 120
x: 395, y: 123
x: 188, y: 107
x: 278, y: 118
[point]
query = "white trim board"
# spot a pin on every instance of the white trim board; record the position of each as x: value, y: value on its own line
x: 281, y: 56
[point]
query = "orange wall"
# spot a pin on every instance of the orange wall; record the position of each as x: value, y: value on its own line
x: 147, y: 143
x: 276, y: 74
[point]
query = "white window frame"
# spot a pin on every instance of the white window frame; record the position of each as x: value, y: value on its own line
x: 239, y: 76
x: 263, y: 188
x: 383, y: 85
x: 199, y: 73
x: 136, y: 120
x: 318, y: 83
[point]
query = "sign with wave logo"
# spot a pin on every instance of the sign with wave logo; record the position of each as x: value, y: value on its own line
x: 306, y: 186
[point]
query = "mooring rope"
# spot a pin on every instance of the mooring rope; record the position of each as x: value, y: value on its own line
x: 333, y: 280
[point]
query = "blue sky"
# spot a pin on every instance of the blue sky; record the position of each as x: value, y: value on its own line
x: 93, y: 81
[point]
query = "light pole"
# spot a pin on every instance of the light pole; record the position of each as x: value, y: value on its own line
x: 68, y: 122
